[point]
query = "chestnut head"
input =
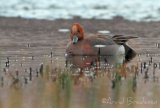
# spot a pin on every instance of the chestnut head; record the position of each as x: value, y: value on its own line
x: 76, y: 33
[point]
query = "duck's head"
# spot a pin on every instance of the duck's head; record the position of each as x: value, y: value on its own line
x: 76, y: 33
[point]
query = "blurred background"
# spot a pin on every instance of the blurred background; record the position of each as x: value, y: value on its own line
x: 138, y: 10
x: 32, y: 54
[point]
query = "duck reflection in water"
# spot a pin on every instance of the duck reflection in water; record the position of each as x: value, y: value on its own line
x: 86, y: 52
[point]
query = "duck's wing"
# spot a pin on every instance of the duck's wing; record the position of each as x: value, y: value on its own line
x: 100, y: 40
x: 121, y: 39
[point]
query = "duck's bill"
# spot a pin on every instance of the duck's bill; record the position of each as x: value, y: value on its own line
x: 74, y: 39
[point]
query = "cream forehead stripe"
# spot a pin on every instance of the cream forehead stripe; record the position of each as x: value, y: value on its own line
x: 74, y: 28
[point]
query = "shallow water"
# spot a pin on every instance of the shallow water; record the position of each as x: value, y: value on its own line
x: 148, y: 10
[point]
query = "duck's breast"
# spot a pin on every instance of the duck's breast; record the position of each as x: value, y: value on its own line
x: 82, y: 48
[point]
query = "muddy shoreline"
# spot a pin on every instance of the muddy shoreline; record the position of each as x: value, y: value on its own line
x: 31, y: 37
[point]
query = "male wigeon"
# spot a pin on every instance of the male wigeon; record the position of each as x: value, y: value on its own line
x: 83, y: 51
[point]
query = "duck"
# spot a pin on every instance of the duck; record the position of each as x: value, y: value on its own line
x: 83, y: 51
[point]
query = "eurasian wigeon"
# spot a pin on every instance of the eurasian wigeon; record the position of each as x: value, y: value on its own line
x: 83, y: 50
